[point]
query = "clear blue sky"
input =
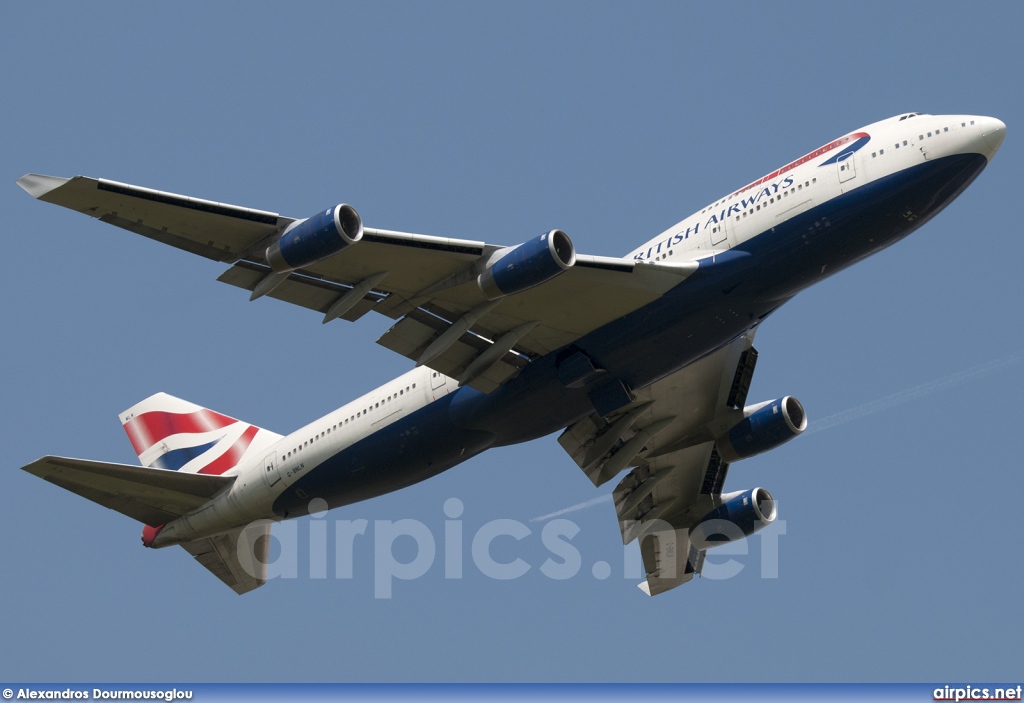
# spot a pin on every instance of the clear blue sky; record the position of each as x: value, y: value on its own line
x: 497, y: 121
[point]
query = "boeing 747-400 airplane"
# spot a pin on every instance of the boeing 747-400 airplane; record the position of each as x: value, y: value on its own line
x: 643, y: 362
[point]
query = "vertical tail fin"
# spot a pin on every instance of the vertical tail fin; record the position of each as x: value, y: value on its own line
x: 171, y: 433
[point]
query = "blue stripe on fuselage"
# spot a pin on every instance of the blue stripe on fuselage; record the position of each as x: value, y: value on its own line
x: 409, y: 450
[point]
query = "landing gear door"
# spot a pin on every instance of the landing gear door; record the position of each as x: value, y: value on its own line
x: 270, y: 470
x: 847, y: 168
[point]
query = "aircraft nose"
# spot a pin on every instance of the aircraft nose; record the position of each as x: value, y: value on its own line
x: 993, y: 131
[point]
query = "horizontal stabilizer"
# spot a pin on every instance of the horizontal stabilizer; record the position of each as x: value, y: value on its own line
x: 238, y: 557
x: 151, y: 496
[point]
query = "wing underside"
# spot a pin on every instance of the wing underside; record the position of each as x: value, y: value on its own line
x: 426, y: 284
x: 151, y: 496
x: 238, y: 557
x: 668, y: 436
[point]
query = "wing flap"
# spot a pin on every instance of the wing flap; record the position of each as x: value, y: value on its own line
x: 151, y: 496
x: 312, y: 293
x: 670, y: 493
x: 411, y: 336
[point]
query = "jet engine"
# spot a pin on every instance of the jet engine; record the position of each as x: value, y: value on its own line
x: 765, y: 426
x: 740, y: 515
x: 314, y: 239
x: 527, y: 265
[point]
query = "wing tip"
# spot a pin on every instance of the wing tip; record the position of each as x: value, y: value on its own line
x: 38, y: 185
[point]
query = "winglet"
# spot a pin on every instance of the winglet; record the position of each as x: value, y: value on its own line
x: 38, y: 185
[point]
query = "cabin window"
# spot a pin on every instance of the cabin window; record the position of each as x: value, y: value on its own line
x: 945, y: 129
x: 881, y: 151
x: 920, y: 136
x: 904, y: 142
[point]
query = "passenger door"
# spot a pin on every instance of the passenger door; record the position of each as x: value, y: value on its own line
x: 718, y: 232
x: 847, y: 167
x: 437, y: 384
x: 270, y: 469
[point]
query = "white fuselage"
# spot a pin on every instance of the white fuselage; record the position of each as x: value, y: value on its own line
x: 264, y: 476
x: 895, y: 144
x: 875, y: 151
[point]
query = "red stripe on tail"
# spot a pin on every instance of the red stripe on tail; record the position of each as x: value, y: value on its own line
x: 149, y: 428
x: 231, y: 457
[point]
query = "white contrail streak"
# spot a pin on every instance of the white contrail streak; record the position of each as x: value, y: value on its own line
x: 573, y: 508
x: 841, y: 418
x: 905, y: 396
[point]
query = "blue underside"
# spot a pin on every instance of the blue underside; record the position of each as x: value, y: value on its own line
x: 708, y: 310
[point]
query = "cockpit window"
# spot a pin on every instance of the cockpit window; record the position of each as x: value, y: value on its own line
x: 907, y: 117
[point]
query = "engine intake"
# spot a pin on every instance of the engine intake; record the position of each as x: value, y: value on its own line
x: 314, y: 239
x: 766, y: 426
x: 527, y: 265
x: 741, y: 515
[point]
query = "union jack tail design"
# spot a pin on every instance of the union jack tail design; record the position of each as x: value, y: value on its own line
x: 171, y: 433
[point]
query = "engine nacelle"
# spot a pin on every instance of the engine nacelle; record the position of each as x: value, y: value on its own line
x: 740, y: 515
x: 766, y: 426
x: 527, y: 265
x: 308, y: 241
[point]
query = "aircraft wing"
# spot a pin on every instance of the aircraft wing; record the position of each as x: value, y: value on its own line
x: 426, y: 283
x: 668, y: 434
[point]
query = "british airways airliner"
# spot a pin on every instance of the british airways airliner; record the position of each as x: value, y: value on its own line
x: 643, y: 362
